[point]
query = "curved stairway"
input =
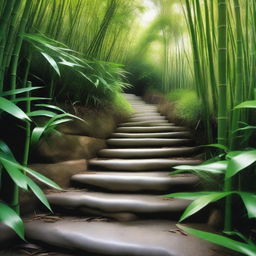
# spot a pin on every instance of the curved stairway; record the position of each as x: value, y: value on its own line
x: 124, y: 188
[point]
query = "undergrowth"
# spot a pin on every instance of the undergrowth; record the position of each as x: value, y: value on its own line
x: 187, y: 105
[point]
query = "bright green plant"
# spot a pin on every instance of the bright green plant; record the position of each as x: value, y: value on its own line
x: 187, y: 105
x: 231, y: 165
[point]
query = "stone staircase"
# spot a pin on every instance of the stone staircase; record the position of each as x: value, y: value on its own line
x: 123, y: 190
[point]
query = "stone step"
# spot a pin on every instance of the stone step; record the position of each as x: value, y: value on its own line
x: 136, y: 182
x: 146, y: 152
x: 147, y: 142
x: 141, y: 129
x: 137, y: 238
x: 152, y: 115
x: 141, y: 164
x: 185, y: 134
x: 146, y: 123
x: 117, y: 206
x: 147, y: 118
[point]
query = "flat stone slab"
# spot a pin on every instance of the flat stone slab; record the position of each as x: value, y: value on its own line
x: 147, y: 142
x: 141, y: 164
x: 117, y: 203
x: 135, y: 182
x: 141, y: 129
x: 146, y: 123
x: 185, y: 134
x: 146, y: 152
x: 147, y: 118
x: 139, y: 238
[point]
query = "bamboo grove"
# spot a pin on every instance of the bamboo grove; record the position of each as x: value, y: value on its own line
x: 187, y: 35
x: 78, y: 51
x: 54, y: 51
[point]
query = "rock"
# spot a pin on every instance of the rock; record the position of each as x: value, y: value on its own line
x: 68, y: 147
x: 147, y: 152
x: 138, y: 238
x: 99, y: 122
x: 109, y: 205
x: 141, y: 164
x: 185, y: 134
x: 158, y: 182
x: 141, y: 129
x: 147, y: 142
x: 61, y: 172
x: 7, y: 236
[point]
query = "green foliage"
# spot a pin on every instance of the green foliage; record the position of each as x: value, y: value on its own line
x: 247, y: 247
x: 120, y: 104
x: 187, y: 105
x: 11, y: 219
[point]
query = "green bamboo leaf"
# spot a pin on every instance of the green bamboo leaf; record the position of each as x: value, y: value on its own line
x: 52, y: 62
x: 10, y: 218
x: 247, y: 249
x: 41, y: 113
x: 188, y: 195
x: 248, y: 127
x: 14, y: 171
x: 61, y: 121
x: 215, y: 167
x: 50, y: 107
x: 37, y: 134
x: 201, y: 202
x: 249, y: 200
x: 240, y: 161
x: 12, y: 109
x: 29, y: 99
x: 247, y: 104
x: 18, y: 91
x: 38, y: 192
x: 42, y: 178
x: 219, y: 146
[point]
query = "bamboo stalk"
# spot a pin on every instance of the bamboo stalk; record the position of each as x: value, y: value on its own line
x: 17, y: 49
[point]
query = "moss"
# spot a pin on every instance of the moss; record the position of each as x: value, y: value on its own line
x: 121, y: 105
x: 187, y: 105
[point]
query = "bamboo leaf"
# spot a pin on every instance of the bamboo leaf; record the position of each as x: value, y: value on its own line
x: 188, y: 195
x: 29, y: 99
x: 10, y: 218
x: 42, y: 178
x: 52, y: 62
x: 201, y: 202
x: 41, y: 113
x: 240, y: 161
x: 18, y: 91
x: 247, y: 249
x: 38, y: 192
x: 14, y: 171
x: 219, y: 146
x: 215, y: 167
x: 51, y: 107
x: 247, y: 104
x: 249, y: 200
x: 12, y: 109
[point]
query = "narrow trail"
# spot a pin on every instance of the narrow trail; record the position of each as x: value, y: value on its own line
x: 124, y: 187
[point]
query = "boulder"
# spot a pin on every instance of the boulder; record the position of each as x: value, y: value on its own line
x: 57, y: 148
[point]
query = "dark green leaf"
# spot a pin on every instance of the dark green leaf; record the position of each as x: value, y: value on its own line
x: 247, y: 249
x: 240, y: 161
x: 247, y: 104
x: 18, y: 91
x: 38, y: 192
x: 42, y: 178
x: 52, y: 62
x: 10, y: 218
x: 12, y: 109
